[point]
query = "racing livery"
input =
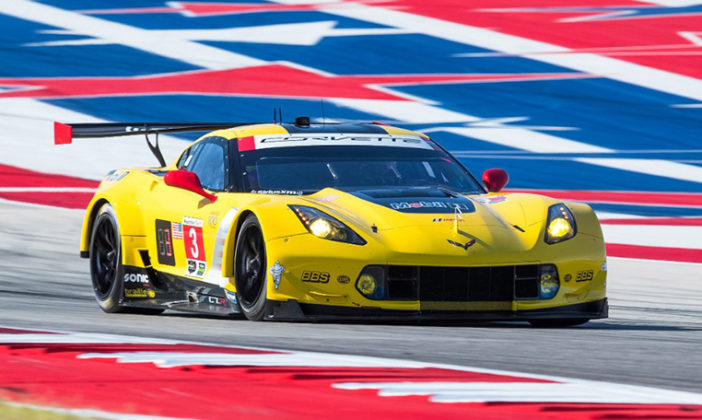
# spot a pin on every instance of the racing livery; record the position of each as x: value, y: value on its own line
x: 308, y: 221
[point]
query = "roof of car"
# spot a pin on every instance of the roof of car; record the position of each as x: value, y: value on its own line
x: 292, y: 129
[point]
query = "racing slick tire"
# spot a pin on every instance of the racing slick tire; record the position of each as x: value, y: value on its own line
x: 250, y: 269
x: 106, y: 264
x: 557, y: 323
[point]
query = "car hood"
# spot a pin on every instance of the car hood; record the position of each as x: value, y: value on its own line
x: 405, y: 207
x: 423, y: 220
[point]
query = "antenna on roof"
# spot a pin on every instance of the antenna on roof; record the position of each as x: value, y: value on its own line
x: 275, y: 121
x: 280, y: 114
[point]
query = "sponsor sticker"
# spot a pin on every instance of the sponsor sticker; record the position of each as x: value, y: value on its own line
x: 279, y: 192
x: 114, y: 176
x: 490, y: 199
x: 315, y: 277
x: 177, y: 230
x: 231, y: 296
x: 192, y: 221
x: 403, y: 205
x: 194, y: 247
x: 445, y: 219
x: 196, y: 268
x: 277, y: 271
x: 266, y: 141
x: 139, y: 293
x: 164, y: 242
x: 214, y: 300
x: 136, y: 278
x: 586, y: 275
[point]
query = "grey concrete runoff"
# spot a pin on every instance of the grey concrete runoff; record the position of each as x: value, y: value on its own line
x: 653, y: 336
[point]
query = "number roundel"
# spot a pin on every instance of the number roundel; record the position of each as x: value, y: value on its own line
x: 194, y: 250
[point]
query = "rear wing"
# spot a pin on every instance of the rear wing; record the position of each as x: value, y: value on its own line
x: 65, y: 133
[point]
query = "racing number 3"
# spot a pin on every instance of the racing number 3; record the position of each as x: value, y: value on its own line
x: 194, y: 246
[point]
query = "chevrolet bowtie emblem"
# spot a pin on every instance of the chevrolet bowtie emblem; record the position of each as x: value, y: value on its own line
x: 460, y: 245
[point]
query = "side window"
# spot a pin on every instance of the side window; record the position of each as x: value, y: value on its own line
x: 187, y: 156
x: 209, y: 165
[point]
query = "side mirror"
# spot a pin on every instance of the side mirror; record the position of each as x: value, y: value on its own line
x: 495, y: 179
x: 188, y: 181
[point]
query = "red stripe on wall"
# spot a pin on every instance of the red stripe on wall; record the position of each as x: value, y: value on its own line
x: 68, y: 200
x: 655, y: 253
x: 631, y: 197
x: 12, y: 176
x: 656, y: 221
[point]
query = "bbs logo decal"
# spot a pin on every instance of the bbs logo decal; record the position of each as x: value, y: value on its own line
x: 136, y: 278
x: 584, y: 275
x: 164, y: 242
x: 315, y: 276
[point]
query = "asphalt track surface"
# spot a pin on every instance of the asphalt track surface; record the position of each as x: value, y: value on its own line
x: 653, y: 337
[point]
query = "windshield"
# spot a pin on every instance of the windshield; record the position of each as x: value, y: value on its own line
x: 304, y: 170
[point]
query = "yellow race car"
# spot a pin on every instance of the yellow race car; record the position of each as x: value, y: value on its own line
x: 311, y: 221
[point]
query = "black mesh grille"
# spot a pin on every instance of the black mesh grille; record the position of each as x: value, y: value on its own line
x: 463, y: 284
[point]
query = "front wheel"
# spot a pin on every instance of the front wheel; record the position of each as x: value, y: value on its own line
x: 557, y: 323
x: 250, y: 265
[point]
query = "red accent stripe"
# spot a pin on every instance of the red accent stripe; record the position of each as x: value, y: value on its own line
x: 63, y: 133
x: 246, y: 144
x: 632, y: 197
x: 656, y: 221
x: 655, y: 253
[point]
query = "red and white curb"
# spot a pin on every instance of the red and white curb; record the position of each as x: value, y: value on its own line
x: 134, y: 377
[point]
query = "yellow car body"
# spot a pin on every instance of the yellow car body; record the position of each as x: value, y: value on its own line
x: 311, y: 277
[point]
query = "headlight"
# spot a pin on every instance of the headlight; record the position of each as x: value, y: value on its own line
x: 548, y: 281
x: 371, y: 283
x: 325, y: 226
x: 560, y: 224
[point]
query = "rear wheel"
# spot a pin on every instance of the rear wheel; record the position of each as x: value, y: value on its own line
x: 557, y: 323
x: 106, y: 264
x: 250, y: 265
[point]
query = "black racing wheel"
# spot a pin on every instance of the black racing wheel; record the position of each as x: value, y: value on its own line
x: 106, y: 264
x: 250, y: 266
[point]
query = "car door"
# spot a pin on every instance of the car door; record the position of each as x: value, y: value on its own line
x: 185, y: 223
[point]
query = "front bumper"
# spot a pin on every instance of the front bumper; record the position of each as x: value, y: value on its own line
x: 291, y: 310
x: 318, y: 272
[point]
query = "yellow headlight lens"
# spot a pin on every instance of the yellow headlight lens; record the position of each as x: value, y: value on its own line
x: 320, y: 227
x: 559, y: 228
x: 366, y: 284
